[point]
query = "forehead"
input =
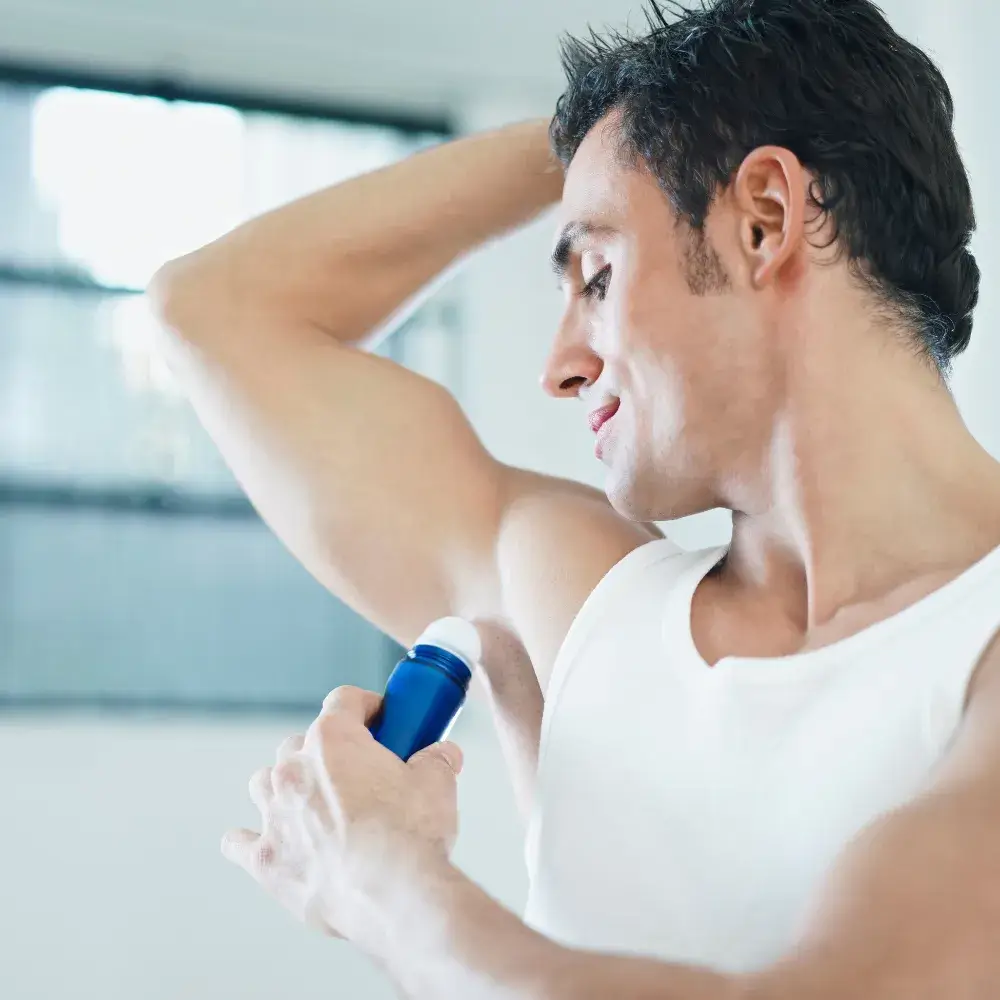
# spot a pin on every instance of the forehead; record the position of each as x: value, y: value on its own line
x: 603, y: 188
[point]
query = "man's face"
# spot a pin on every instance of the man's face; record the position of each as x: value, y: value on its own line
x: 658, y: 339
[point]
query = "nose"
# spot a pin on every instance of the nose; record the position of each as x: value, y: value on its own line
x: 571, y: 364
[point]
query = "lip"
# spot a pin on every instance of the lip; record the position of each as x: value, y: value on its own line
x: 600, y: 417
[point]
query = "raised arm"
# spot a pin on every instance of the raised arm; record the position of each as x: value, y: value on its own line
x: 370, y: 474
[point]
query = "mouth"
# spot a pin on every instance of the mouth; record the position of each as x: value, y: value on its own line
x: 599, y: 423
x: 600, y: 417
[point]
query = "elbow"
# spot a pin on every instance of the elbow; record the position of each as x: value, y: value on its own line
x: 186, y: 295
x: 175, y: 289
x: 171, y: 293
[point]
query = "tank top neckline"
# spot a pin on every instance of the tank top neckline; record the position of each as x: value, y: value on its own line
x: 678, y: 638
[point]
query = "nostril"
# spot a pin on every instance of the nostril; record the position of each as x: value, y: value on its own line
x: 572, y: 383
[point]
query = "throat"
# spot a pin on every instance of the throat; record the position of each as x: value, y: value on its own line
x: 730, y: 622
x: 730, y: 619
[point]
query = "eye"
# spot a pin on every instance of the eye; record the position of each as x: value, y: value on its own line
x: 597, y: 287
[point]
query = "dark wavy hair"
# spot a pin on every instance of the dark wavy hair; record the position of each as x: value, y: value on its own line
x: 867, y: 112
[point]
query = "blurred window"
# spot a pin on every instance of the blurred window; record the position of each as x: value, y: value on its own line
x: 132, y: 571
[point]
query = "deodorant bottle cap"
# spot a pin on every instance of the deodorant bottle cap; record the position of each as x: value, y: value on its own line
x: 455, y: 635
x: 427, y: 688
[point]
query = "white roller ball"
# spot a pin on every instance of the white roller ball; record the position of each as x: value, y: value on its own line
x: 455, y: 635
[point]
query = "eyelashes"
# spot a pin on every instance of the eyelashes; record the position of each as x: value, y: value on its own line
x: 597, y: 287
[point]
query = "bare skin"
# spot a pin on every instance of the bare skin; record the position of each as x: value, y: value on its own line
x: 266, y: 329
x: 781, y: 393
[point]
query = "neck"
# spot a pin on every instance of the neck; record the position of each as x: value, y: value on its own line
x: 868, y: 481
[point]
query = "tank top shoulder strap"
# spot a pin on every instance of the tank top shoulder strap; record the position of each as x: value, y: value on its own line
x: 621, y: 601
x: 965, y: 623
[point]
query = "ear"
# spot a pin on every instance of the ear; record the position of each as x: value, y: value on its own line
x: 770, y: 191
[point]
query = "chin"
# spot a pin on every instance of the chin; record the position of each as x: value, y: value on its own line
x: 639, y: 499
x: 624, y: 497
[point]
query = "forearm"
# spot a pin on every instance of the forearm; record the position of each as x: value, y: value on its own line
x: 441, y: 937
x: 347, y: 258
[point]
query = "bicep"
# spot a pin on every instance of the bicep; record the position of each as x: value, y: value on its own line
x: 375, y: 480
x: 369, y: 474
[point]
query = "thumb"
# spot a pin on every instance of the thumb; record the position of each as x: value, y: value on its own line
x: 438, y: 756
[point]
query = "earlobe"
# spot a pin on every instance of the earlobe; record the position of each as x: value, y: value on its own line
x: 770, y: 191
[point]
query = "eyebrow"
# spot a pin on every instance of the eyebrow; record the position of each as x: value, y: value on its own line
x: 570, y: 236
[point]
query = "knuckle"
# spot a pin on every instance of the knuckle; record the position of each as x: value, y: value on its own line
x: 454, y: 756
x: 446, y: 764
x: 439, y: 766
x: 266, y: 856
x: 340, y: 696
x: 290, y: 776
x: 446, y: 757
x: 260, y: 780
x: 329, y: 727
x: 290, y: 745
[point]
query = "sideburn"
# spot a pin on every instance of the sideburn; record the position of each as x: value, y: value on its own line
x: 703, y: 268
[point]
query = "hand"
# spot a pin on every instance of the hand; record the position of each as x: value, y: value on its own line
x: 340, y: 814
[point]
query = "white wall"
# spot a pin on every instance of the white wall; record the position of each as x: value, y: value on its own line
x: 961, y: 37
x: 397, y: 54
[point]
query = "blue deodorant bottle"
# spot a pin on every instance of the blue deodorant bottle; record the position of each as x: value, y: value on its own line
x: 427, y: 688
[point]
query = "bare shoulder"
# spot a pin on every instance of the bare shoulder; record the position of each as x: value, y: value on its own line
x: 556, y: 541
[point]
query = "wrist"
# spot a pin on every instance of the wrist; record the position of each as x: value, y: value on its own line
x: 437, y: 934
x: 535, y: 133
x: 522, y: 160
x: 383, y: 889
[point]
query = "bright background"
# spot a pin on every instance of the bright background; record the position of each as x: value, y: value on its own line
x: 155, y: 643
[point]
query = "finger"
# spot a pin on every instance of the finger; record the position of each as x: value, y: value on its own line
x: 246, y: 849
x: 353, y: 702
x: 446, y: 758
x: 293, y: 778
x: 261, y: 790
x: 290, y: 747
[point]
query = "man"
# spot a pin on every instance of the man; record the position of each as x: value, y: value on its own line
x: 772, y: 770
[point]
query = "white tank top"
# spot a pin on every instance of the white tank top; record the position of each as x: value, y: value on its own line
x: 690, y: 813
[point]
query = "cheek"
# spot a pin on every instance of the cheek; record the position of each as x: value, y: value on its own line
x: 656, y: 405
x: 628, y: 320
x: 666, y: 402
x: 645, y: 342
x: 608, y: 335
x: 628, y: 328
x: 652, y: 304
